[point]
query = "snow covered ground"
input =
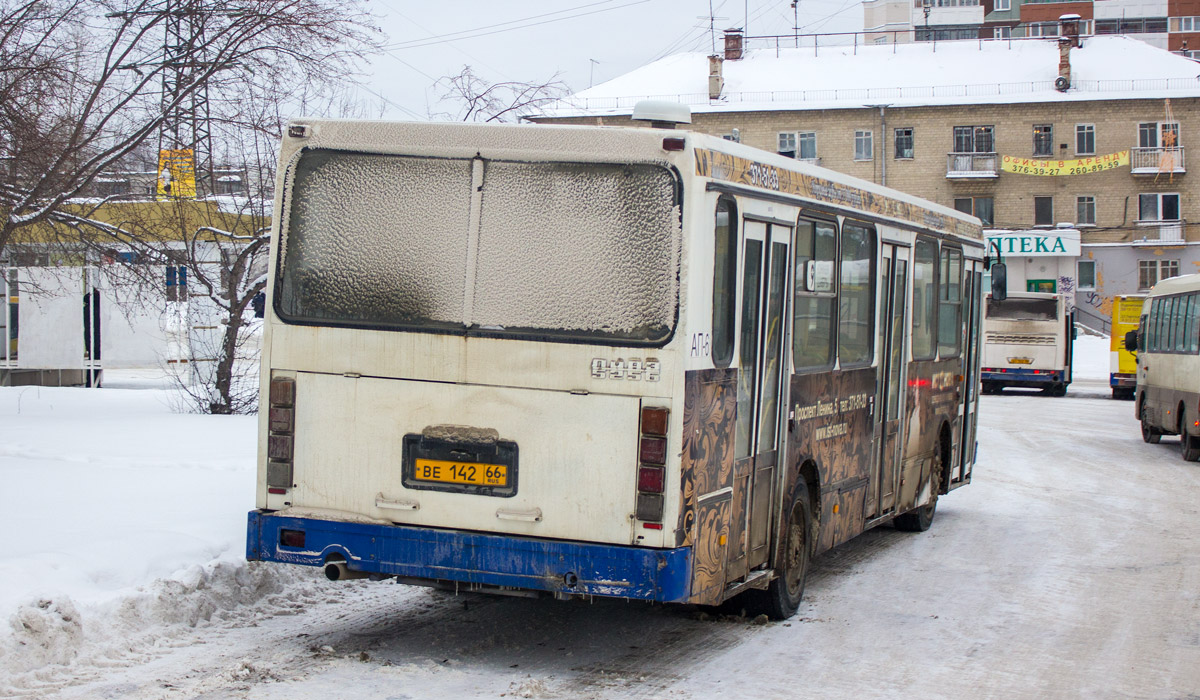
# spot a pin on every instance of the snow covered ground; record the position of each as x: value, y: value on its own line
x: 1070, y: 567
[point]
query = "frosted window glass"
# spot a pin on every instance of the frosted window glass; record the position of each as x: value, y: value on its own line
x: 563, y: 248
x: 578, y: 248
x: 377, y: 240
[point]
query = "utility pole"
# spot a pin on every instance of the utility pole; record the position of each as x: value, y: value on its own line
x: 796, y: 21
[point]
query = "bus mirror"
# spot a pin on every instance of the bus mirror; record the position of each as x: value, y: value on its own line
x: 1131, y: 341
x: 999, y: 281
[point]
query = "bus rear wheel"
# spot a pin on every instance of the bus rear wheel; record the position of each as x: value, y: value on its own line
x: 782, y: 597
x: 1189, y: 446
x: 1149, y: 433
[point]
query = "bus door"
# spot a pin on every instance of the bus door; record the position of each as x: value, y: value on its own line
x: 760, y: 381
x: 972, y: 293
x: 890, y: 382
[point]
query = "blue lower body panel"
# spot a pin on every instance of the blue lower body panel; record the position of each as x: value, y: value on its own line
x: 526, y: 563
x: 1023, y: 377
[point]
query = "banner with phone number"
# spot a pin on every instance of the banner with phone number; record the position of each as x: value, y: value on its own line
x: 1078, y: 166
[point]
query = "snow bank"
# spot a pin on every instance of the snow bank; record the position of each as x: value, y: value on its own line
x: 1091, y: 357
x: 118, y: 518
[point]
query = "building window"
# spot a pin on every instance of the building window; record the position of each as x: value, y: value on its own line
x: 807, y: 141
x: 1158, y: 206
x: 1085, y: 210
x: 1002, y: 32
x: 1042, y: 29
x: 176, y: 282
x: 1158, y: 134
x: 976, y: 206
x: 1151, y: 272
x: 1002, y: 5
x: 1085, y: 139
x: 1043, y: 140
x: 973, y: 139
x: 904, y: 143
x: 787, y: 144
x: 864, y: 145
x: 1185, y: 24
x: 1086, y: 275
x: 1043, y: 211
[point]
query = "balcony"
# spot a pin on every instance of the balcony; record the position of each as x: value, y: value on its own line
x: 1169, y: 231
x: 972, y: 165
x: 1155, y: 161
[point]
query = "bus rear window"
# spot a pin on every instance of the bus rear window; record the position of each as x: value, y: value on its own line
x: 550, y: 250
x: 1023, y: 309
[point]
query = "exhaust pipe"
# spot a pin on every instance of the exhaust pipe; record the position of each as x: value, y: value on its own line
x: 337, y: 571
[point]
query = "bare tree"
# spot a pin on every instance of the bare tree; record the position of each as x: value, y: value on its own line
x: 82, y: 83
x: 477, y: 100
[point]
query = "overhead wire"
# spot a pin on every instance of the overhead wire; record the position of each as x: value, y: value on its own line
x: 433, y: 41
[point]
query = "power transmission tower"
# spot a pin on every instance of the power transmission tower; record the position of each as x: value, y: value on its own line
x: 187, y: 124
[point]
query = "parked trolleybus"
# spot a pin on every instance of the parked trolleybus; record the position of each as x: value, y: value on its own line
x: 1122, y: 375
x: 1028, y: 341
x: 588, y: 361
x: 1167, y: 345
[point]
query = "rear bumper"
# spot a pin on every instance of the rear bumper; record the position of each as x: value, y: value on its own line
x: 1022, y: 377
x: 1123, y: 381
x: 525, y: 563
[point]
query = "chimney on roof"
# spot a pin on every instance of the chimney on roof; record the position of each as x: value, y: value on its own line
x: 1068, y: 37
x: 733, y: 44
x: 716, y: 82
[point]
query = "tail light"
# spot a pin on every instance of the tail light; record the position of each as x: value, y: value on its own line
x: 652, y: 460
x: 281, y: 425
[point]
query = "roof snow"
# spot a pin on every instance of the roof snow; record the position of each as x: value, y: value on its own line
x: 925, y: 73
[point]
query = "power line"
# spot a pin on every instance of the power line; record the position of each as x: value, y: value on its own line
x: 483, y: 31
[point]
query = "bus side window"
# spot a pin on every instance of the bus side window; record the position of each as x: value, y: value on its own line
x: 1178, y: 317
x: 813, y: 319
x: 924, y: 299
x: 856, y: 296
x: 724, y: 282
x: 1155, y: 318
x: 950, y: 304
x: 1193, y: 325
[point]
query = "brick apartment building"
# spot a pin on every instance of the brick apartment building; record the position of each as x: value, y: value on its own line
x: 1166, y: 24
x: 962, y: 123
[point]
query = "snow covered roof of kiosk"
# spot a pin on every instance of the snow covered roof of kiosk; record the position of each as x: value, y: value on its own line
x: 926, y: 73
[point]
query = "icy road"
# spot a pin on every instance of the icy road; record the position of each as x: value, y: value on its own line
x: 1070, y: 567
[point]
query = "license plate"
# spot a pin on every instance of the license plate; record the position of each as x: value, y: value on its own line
x: 1020, y: 361
x: 466, y: 473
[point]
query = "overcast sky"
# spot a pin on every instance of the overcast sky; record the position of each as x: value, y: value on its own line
x: 581, y: 41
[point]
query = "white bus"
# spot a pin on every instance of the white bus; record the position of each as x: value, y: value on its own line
x: 1167, y: 347
x: 586, y: 361
x: 1028, y: 341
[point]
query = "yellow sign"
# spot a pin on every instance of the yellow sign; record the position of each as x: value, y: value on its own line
x: 176, y: 174
x: 1078, y: 166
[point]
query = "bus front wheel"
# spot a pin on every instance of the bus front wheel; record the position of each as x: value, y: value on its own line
x: 782, y: 597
